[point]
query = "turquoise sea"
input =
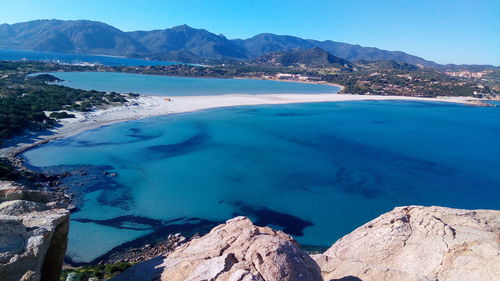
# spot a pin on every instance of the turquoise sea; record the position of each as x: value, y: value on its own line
x: 183, y: 86
x: 317, y: 171
x: 15, y: 55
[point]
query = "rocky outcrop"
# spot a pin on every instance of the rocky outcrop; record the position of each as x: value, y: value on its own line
x: 234, y: 251
x: 13, y: 191
x: 411, y: 243
x: 147, y: 251
x: 33, y: 234
x: 418, y: 243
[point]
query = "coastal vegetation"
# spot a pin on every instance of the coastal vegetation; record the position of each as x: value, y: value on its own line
x: 24, y: 100
x: 99, y: 272
x: 407, y: 82
x: 380, y: 78
x: 7, y: 171
x: 61, y: 115
x: 312, y: 58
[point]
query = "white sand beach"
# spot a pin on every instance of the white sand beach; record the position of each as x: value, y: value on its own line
x: 149, y: 106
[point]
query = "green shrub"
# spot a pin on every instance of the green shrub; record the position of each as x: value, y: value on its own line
x: 61, y: 115
x: 7, y: 171
x: 101, y: 271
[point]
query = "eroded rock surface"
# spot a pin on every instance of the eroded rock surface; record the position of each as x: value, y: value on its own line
x: 234, y: 251
x: 418, y: 243
x: 33, y: 235
x: 407, y: 244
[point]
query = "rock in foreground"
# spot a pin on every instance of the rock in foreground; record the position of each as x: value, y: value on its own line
x: 234, y: 251
x: 418, y: 243
x: 407, y: 244
x: 33, y: 234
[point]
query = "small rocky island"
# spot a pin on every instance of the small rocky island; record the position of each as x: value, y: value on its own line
x: 409, y: 243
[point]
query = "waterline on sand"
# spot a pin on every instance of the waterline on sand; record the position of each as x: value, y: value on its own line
x: 149, y: 106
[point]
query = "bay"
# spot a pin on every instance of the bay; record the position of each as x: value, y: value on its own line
x: 317, y: 171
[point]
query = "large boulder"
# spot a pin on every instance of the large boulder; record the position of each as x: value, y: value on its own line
x: 20, y: 207
x: 33, y: 236
x: 234, y: 251
x: 13, y: 191
x: 418, y: 243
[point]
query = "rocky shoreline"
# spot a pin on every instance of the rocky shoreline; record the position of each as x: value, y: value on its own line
x: 54, y: 189
x: 412, y: 243
x: 27, y: 205
x: 148, y: 251
x: 409, y: 243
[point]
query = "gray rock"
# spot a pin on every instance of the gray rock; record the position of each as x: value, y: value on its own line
x: 236, y: 250
x: 11, y: 237
x: 33, y: 238
x: 19, y: 207
x: 409, y: 243
x: 10, y: 191
x: 72, y: 276
x: 418, y: 243
x: 10, y: 185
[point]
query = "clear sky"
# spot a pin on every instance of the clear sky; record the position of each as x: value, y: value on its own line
x: 445, y: 31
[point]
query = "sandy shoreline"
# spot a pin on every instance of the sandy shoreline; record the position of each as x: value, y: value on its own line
x: 149, y: 106
x: 341, y: 87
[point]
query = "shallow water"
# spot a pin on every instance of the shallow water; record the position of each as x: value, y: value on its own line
x: 183, y: 86
x: 317, y: 171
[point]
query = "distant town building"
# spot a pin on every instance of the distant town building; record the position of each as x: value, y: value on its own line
x: 299, y: 77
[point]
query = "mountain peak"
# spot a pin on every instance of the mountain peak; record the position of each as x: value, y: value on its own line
x: 182, y: 27
x: 74, y: 36
x: 314, y: 57
x: 84, y: 36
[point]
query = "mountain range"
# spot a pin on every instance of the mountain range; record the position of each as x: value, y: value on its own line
x: 180, y: 43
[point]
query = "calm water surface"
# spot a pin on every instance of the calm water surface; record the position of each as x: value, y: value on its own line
x: 14, y: 55
x: 317, y: 171
x: 183, y: 86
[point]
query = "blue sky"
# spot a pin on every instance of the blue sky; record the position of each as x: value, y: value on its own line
x: 446, y: 31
